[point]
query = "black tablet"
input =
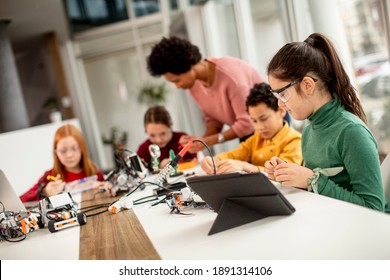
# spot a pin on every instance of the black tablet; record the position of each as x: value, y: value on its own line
x: 239, y: 198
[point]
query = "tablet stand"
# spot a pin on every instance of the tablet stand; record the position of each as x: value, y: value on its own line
x: 237, y: 211
x: 240, y: 198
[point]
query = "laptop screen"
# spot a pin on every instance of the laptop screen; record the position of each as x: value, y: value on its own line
x: 8, y: 196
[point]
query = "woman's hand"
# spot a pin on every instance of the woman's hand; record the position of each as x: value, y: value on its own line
x: 195, y: 147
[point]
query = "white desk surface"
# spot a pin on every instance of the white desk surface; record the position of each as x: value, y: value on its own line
x: 44, y: 245
x: 321, y: 228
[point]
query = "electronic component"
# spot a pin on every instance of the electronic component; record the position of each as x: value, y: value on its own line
x: 59, y: 212
x: 170, y: 168
x: 126, y: 202
x: 155, y: 154
x: 18, y: 224
x: 185, y: 197
x: 128, y: 174
x: 169, y: 188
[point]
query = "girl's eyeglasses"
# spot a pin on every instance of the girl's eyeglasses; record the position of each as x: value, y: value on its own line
x: 279, y: 92
x: 64, y: 151
x: 283, y: 96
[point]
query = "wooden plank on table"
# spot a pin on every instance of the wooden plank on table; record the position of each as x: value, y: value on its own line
x: 110, y: 236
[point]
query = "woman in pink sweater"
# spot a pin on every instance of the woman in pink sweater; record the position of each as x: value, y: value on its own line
x: 219, y: 86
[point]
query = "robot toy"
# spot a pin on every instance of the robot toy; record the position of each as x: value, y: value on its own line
x: 59, y: 212
x: 185, y: 197
x: 15, y: 225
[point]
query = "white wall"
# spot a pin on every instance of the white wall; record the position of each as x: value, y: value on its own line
x: 25, y: 154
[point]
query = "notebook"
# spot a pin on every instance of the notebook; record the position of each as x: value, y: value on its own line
x: 240, y: 198
x: 8, y: 196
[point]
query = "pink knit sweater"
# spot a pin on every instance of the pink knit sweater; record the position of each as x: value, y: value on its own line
x: 224, y: 102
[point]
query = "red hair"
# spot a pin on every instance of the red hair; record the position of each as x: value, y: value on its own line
x: 85, y: 163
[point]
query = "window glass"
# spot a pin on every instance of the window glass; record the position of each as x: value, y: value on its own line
x: 145, y: 7
x: 365, y: 28
x: 87, y: 14
x: 173, y: 4
x: 270, y: 29
x: 223, y: 35
x: 114, y: 82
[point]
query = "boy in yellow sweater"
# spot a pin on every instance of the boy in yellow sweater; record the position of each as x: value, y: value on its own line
x: 273, y: 137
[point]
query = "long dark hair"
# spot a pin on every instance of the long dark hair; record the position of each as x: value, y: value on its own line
x: 317, y: 55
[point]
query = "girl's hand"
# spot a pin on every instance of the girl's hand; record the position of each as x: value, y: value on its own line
x: 270, y: 165
x: 54, y: 187
x: 164, y: 162
x: 291, y: 174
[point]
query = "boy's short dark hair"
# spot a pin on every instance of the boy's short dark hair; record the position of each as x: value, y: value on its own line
x: 174, y: 55
x: 261, y: 93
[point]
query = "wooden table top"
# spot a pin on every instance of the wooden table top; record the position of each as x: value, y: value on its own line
x: 108, y: 236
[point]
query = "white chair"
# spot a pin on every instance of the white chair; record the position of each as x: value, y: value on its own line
x: 385, y: 170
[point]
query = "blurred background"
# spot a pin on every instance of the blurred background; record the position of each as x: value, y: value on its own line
x: 85, y: 59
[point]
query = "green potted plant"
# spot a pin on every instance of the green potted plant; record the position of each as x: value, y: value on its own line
x: 151, y: 94
x: 51, y: 106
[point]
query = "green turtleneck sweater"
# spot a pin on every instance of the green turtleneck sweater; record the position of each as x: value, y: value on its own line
x: 338, y: 138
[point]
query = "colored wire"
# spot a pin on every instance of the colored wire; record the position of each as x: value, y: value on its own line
x: 158, y: 202
x: 142, y: 199
x: 98, y: 213
x: 13, y: 239
x: 210, y: 153
x: 92, y: 206
x: 139, y: 185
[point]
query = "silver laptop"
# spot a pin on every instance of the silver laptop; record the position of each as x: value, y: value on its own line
x: 8, y: 196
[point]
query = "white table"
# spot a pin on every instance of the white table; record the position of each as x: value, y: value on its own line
x: 321, y: 228
x: 43, y: 245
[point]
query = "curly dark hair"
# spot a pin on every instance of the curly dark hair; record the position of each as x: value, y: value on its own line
x: 174, y: 55
x: 261, y: 93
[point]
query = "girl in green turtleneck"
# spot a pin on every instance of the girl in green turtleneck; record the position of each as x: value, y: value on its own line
x: 339, y: 151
